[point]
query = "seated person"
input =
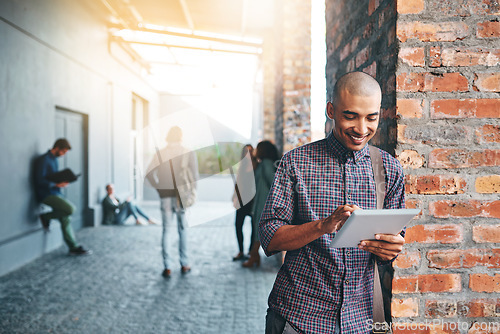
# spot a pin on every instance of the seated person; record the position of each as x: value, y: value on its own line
x: 116, y: 212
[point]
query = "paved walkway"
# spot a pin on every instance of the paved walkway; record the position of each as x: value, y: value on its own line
x: 119, y: 289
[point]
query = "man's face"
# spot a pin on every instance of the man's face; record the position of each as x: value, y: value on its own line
x: 59, y: 152
x: 110, y: 189
x: 356, y: 119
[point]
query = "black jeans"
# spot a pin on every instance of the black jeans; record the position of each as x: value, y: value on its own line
x: 241, y: 213
x: 276, y: 324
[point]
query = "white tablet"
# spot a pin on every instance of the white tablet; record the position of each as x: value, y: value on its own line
x: 364, y: 224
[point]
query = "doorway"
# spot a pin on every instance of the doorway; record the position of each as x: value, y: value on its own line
x: 140, y: 119
x: 74, y: 127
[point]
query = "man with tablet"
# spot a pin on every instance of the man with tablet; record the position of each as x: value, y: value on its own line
x: 323, y: 289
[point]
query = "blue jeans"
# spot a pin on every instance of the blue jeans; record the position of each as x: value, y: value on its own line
x: 169, y: 206
x: 129, y: 209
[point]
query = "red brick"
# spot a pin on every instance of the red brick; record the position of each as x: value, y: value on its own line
x: 414, y: 204
x: 434, y: 233
x: 439, y: 283
x: 487, y: 82
x: 412, y: 56
x: 354, y: 44
x: 489, y: 258
x: 488, y: 133
x: 401, y: 128
x: 465, y: 108
x: 371, y: 69
x: 484, y: 283
x: 465, y: 57
x: 445, y: 258
x: 464, y: 258
x: 410, y: 6
x: 372, y: 6
x: 345, y: 52
x: 362, y: 56
x: 484, y: 328
x: 408, y: 259
x: 440, y: 308
x: 470, y: 208
x: 409, y: 108
x: 457, y: 158
x: 411, y: 159
x: 434, y: 184
x: 484, y: 158
x: 435, y: 56
x: 404, y: 307
x: 486, y: 233
x: 404, y: 284
x: 432, y: 32
x: 479, y: 308
x: 423, y: 328
x: 488, y: 29
x: 430, y: 82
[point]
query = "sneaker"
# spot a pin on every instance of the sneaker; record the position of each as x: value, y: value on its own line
x: 80, y: 251
x: 185, y: 269
x: 45, y: 223
x: 166, y: 273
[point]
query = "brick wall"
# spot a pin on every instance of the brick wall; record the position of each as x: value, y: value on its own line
x: 448, y: 104
x: 270, y: 77
x: 441, y: 112
x: 360, y: 35
x: 296, y: 73
x: 287, y: 76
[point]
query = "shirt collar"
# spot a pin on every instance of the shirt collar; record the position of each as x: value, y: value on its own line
x: 342, y: 152
x: 51, y: 155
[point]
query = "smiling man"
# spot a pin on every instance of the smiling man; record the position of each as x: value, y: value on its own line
x: 316, y: 188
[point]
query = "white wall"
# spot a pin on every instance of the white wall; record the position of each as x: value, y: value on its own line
x: 55, y: 53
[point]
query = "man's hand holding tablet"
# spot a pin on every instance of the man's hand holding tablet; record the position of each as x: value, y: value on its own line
x: 375, y: 231
x: 386, y: 247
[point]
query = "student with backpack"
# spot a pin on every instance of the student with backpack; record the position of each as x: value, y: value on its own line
x: 174, y: 177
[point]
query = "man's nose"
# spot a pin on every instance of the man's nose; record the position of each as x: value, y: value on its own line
x: 361, y: 127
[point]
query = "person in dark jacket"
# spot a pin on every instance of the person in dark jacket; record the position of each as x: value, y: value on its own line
x: 49, y: 193
x: 267, y: 157
x: 116, y: 212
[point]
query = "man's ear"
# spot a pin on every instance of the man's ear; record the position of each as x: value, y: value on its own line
x: 329, y: 110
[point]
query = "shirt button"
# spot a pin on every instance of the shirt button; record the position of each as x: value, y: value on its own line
x: 346, y: 281
x: 348, y: 253
x: 343, y: 309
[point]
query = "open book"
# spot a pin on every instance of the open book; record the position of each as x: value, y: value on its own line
x: 66, y: 175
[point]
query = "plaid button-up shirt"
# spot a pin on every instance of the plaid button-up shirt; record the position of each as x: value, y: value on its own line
x: 317, y: 284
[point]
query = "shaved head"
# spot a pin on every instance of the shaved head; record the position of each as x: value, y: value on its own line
x: 355, y: 109
x: 356, y: 83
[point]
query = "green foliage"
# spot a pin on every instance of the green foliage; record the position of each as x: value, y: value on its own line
x: 219, y: 158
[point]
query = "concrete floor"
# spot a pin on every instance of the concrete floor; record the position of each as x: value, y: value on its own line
x: 119, y: 288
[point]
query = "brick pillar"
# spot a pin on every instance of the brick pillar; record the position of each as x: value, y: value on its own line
x: 269, y: 81
x: 287, y: 76
x: 296, y: 73
x: 448, y: 104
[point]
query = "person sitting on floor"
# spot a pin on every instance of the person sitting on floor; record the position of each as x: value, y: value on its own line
x: 116, y: 212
